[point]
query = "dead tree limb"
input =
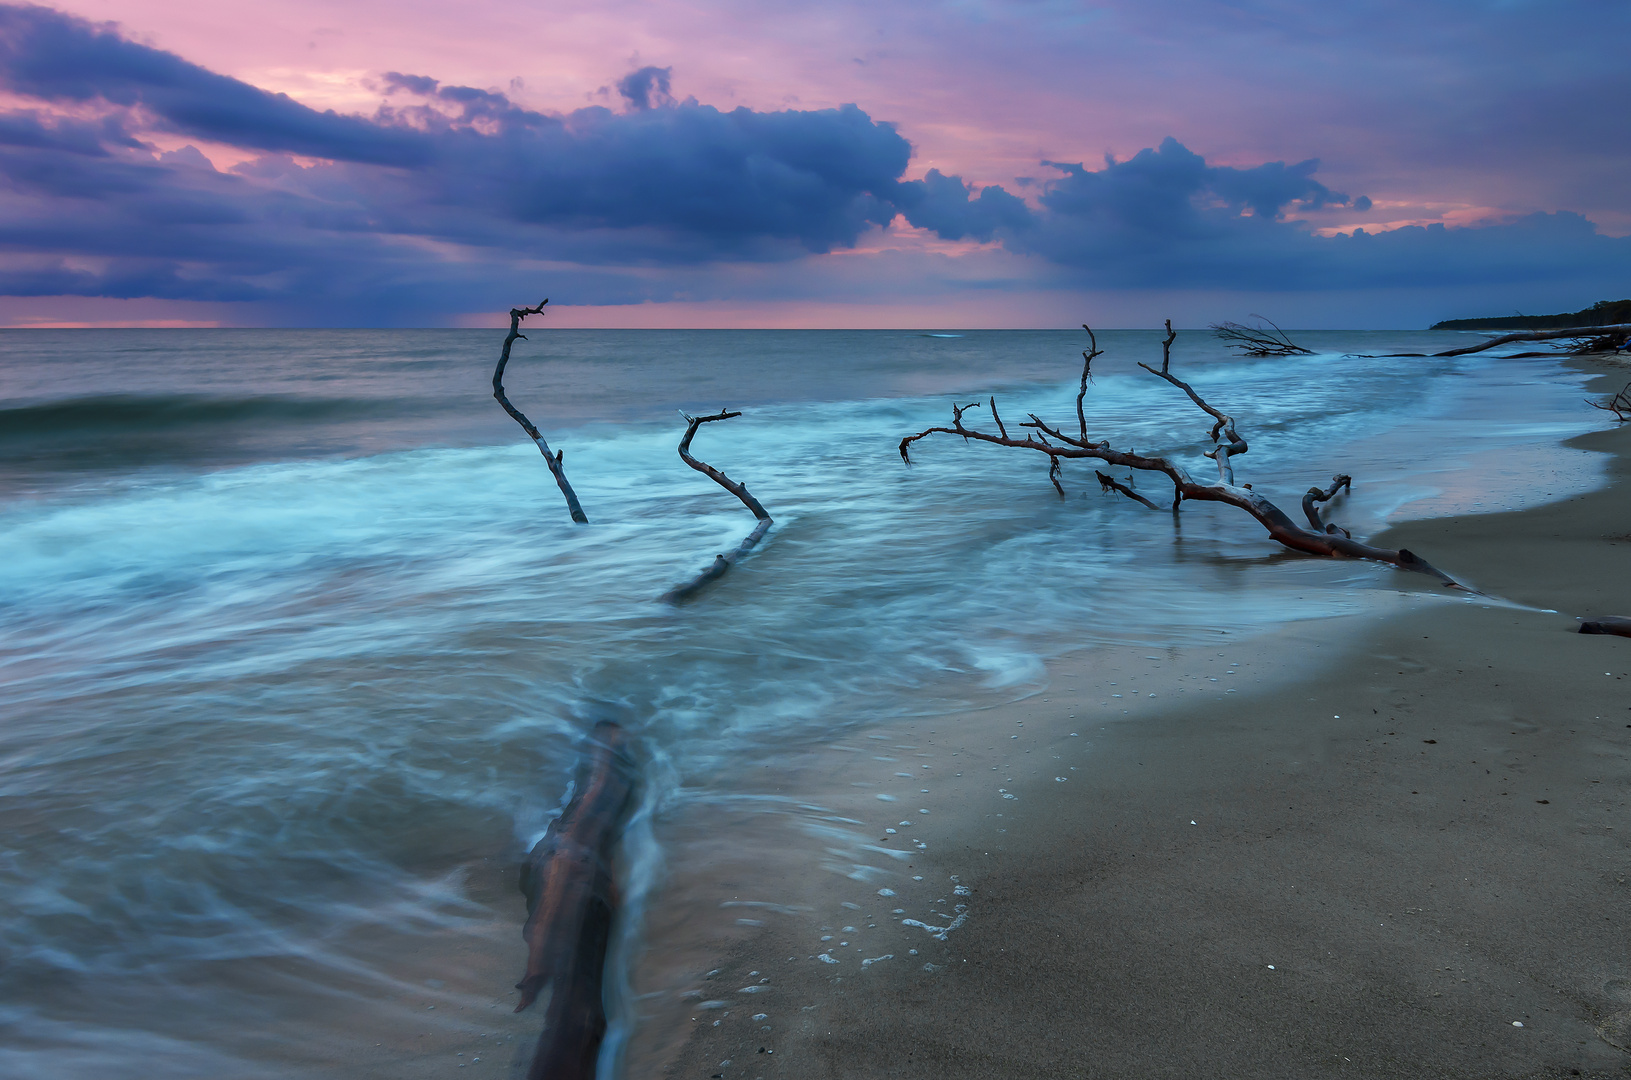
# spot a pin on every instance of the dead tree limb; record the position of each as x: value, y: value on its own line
x: 1619, y: 404
x: 1256, y: 341
x: 1227, y: 444
x: 1110, y: 483
x: 1595, y: 339
x: 1222, y: 451
x: 723, y: 562
x: 1607, y: 624
x: 1314, y: 495
x: 1087, y: 377
x: 552, y: 459
x: 571, y: 901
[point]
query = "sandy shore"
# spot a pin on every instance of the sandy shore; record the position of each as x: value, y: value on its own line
x: 1368, y: 847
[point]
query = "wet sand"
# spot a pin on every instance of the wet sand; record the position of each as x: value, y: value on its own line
x: 1398, y: 839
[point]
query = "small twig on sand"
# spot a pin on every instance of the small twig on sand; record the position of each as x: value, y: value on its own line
x: 552, y: 459
x: 723, y: 562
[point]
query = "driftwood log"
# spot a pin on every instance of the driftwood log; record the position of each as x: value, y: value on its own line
x: 1318, y: 539
x: 552, y: 459
x: 725, y: 561
x: 571, y: 901
x: 1607, y: 624
x: 1597, y: 339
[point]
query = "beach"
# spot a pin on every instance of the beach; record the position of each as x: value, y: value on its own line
x: 298, y: 669
x: 1400, y: 849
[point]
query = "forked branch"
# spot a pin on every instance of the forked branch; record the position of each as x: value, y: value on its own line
x: 1323, y: 539
x: 1227, y: 447
x: 552, y: 459
x: 722, y: 562
x: 1619, y: 404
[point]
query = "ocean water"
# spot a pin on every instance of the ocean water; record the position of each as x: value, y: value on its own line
x: 298, y: 644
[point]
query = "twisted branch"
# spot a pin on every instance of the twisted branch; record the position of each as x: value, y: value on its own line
x: 1314, y: 495
x: 1619, y: 404
x: 723, y: 562
x: 552, y: 459
x: 1280, y: 527
x: 1087, y: 376
x: 1225, y: 425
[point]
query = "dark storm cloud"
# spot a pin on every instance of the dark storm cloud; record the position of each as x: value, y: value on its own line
x: 53, y: 57
x: 450, y: 195
x: 647, y: 87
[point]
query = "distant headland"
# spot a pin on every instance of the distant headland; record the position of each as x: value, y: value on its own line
x: 1602, y: 313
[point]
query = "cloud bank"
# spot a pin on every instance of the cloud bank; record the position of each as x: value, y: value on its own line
x: 451, y: 199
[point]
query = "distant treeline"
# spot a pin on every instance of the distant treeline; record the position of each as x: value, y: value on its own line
x: 1602, y: 313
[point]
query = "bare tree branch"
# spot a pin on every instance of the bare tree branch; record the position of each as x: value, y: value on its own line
x: 1087, y: 377
x: 1256, y: 341
x: 571, y: 902
x: 1339, y: 482
x: 1225, y: 424
x: 723, y: 562
x: 1619, y: 404
x: 1280, y: 527
x: 1110, y: 483
x: 552, y: 459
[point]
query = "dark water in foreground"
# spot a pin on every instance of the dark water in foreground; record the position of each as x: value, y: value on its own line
x: 297, y: 638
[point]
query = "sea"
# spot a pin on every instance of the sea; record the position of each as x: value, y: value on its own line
x: 299, y: 647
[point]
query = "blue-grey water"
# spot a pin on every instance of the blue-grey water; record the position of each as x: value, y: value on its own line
x: 297, y: 640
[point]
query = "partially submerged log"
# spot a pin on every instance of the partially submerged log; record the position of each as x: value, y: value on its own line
x: 1257, y: 340
x: 1591, y: 339
x: 1607, y: 624
x: 724, y: 561
x: 571, y: 902
x: 1320, y: 539
x: 552, y: 459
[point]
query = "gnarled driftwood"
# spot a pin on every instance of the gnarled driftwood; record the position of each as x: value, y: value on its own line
x: 723, y: 562
x: 552, y: 459
x: 571, y: 901
x: 1227, y: 443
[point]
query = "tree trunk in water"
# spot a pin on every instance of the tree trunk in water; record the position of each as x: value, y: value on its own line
x: 571, y: 904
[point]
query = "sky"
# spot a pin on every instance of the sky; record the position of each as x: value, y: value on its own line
x: 905, y: 163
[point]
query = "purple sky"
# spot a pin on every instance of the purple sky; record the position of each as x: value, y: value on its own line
x: 970, y: 163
